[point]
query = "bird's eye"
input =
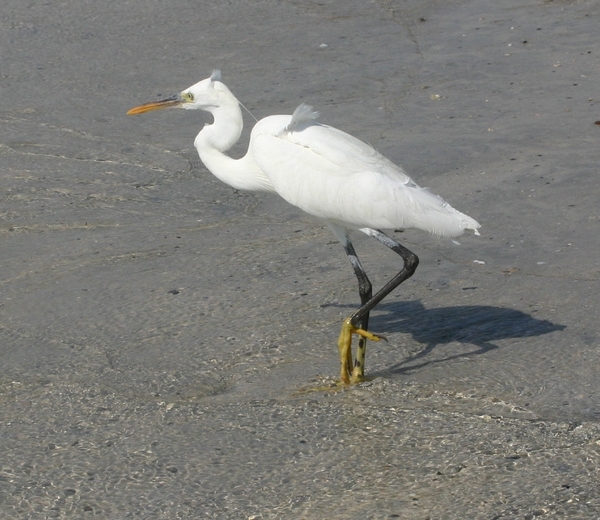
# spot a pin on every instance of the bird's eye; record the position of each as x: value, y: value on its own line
x: 188, y: 96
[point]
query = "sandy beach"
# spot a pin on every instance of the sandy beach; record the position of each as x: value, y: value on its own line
x: 161, y: 334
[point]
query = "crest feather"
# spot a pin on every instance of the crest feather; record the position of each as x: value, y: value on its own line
x: 216, y: 75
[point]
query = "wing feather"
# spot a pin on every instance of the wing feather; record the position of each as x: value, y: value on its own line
x: 332, y: 175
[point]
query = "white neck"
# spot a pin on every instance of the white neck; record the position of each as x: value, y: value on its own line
x: 213, y: 140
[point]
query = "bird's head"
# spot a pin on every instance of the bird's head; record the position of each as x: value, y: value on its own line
x: 207, y: 94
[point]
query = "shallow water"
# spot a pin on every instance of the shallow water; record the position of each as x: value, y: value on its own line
x: 162, y: 335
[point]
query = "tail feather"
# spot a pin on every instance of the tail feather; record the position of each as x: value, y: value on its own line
x: 438, y: 217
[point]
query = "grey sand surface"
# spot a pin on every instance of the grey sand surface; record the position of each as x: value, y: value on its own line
x: 158, y: 330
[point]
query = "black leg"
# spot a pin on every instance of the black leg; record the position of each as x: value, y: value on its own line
x: 411, y: 261
x: 357, y: 323
x: 365, y: 290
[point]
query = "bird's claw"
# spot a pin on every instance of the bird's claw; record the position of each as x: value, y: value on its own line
x: 369, y: 335
x: 353, y: 371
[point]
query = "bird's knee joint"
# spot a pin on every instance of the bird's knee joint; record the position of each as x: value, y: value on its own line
x: 411, y: 262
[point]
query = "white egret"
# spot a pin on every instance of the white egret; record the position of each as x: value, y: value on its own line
x: 328, y: 174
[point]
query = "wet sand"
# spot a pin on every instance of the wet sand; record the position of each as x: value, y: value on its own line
x: 159, y: 330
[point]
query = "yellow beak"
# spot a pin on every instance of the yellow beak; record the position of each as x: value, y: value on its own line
x: 172, y: 102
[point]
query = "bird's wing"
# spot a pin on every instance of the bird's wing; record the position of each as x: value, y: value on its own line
x: 335, y: 176
x: 347, y: 152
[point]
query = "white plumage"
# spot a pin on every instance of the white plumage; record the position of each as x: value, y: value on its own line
x: 336, y: 177
x: 320, y: 169
x: 323, y: 171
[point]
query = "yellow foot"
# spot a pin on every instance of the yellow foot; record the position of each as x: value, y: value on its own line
x: 369, y: 335
x: 348, y: 373
x: 359, y: 378
x: 332, y: 386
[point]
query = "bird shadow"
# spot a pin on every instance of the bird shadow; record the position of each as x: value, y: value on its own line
x: 478, y: 325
